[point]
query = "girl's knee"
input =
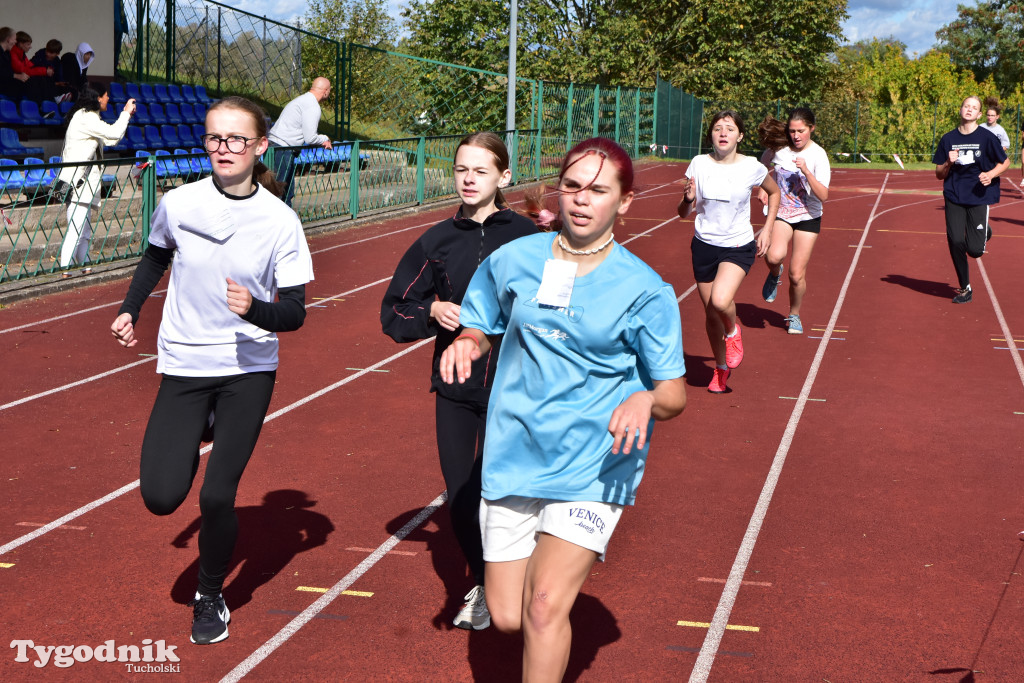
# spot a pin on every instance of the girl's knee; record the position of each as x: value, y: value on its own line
x: 506, y: 621
x: 214, y: 503
x: 160, y: 502
x: 542, y: 613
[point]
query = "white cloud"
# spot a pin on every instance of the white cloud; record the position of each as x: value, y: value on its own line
x: 913, y: 22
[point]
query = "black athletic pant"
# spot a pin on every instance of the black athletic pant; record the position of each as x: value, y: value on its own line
x: 170, y: 456
x: 966, y: 234
x: 460, y: 445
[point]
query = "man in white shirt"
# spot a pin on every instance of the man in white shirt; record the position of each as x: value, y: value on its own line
x: 297, y: 126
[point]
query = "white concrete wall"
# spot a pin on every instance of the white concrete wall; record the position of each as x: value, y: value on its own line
x: 69, y: 21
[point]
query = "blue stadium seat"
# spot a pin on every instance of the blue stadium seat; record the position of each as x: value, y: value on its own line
x: 147, y: 94
x: 112, y: 111
x: 189, y: 93
x: 9, y: 113
x: 165, y: 168
x: 35, y: 178
x: 136, y: 137
x: 175, y: 93
x: 153, y: 139
x: 160, y: 91
x: 133, y: 92
x: 201, y: 95
x: 66, y: 107
x: 30, y: 115
x: 188, y: 114
x: 50, y: 107
x: 204, y: 161
x: 11, y: 181
x: 142, y: 116
x: 186, y: 135
x: 117, y: 92
x: 10, y: 146
x: 189, y: 167
x: 200, y: 110
x: 169, y: 134
x: 198, y: 131
x: 157, y: 115
x: 173, y: 114
x: 51, y: 172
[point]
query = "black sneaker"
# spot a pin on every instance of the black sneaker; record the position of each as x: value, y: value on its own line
x: 210, y: 618
x: 963, y: 296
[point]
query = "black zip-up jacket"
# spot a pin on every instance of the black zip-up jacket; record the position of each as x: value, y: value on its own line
x: 439, y: 266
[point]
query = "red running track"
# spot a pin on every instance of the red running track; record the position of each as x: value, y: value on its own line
x: 847, y: 512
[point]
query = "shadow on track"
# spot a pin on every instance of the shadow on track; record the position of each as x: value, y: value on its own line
x: 942, y: 290
x: 269, y: 536
x: 971, y: 670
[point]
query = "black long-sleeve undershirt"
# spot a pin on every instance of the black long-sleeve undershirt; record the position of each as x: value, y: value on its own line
x: 284, y: 315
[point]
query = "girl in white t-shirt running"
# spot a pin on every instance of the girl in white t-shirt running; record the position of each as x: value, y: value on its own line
x: 718, y: 187
x: 803, y: 173
x: 241, y: 264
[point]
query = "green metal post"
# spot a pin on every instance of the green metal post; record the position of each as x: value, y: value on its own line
x: 654, y: 123
x: 856, y: 134
x: 148, y: 181
x: 618, y: 100
x: 540, y: 128
x: 515, y: 156
x: 636, y: 122
x: 340, y: 93
x: 169, y: 41
x: 568, y: 121
x: 597, y: 109
x: 140, y: 37
x: 220, y: 41
x: 353, y: 181
x: 421, y: 154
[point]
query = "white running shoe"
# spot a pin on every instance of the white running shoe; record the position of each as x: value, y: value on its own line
x: 474, y: 616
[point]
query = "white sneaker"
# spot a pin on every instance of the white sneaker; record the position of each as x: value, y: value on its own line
x: 474, y: 616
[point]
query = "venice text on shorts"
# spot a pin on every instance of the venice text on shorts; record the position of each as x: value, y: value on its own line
x: 158, y: 656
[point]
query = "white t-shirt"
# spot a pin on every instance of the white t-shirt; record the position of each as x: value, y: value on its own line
x: 257, y: 242
x: 723, y: 199
x: 999, y: 132
x: 798, y: 201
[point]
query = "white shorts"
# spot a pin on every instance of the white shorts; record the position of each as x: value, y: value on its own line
x: 510, y: 525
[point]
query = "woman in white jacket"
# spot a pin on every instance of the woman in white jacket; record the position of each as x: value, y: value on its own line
x: 86, y: 136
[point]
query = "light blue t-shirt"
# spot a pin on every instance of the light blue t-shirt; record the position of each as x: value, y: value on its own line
x: 562, y: 371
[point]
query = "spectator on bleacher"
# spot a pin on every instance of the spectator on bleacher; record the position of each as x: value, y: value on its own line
x: 50, y: 56
x: 11, y: 84
x: 75, y: 66
x: 41, y: 84
x: 87, y: 135
x: 297, y: 126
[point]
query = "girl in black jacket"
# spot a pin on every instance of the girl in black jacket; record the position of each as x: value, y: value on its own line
x: 423, y: 301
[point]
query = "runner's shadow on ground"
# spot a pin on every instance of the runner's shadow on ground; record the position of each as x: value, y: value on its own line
x: 497, y: 657
x: 699, y: 369
x: 269, y: 536
x: 446, y: 556
x: 759, y: 317
x: 943, y: 290
x: 1004, y: 219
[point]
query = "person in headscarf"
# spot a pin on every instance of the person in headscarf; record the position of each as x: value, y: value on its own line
x: 75, y: 66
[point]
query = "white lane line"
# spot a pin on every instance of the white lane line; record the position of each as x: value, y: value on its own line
x: 1012, y: 345
x: 122, y: 368
x: 65, y: 387
x: 321, y: 603
x: 21, y: 540
x: 68, y: 315
x: 713, y: 638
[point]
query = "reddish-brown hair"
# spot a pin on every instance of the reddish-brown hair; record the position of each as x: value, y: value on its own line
x: 609, y: 151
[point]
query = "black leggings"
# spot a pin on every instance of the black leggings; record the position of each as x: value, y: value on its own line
x: 966, y: 234
x: 170, y: 456
x: 460, y: 445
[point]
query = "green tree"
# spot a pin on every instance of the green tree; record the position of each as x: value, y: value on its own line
x: 987, y: 39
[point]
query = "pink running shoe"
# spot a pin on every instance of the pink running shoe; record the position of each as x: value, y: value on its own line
x: 734, y: 349
x: 717, y: 385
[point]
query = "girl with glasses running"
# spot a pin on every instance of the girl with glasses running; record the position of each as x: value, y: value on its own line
x: 241, y: 264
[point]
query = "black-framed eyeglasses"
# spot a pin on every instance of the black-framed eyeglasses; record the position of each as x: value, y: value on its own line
x: 236, y: 143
